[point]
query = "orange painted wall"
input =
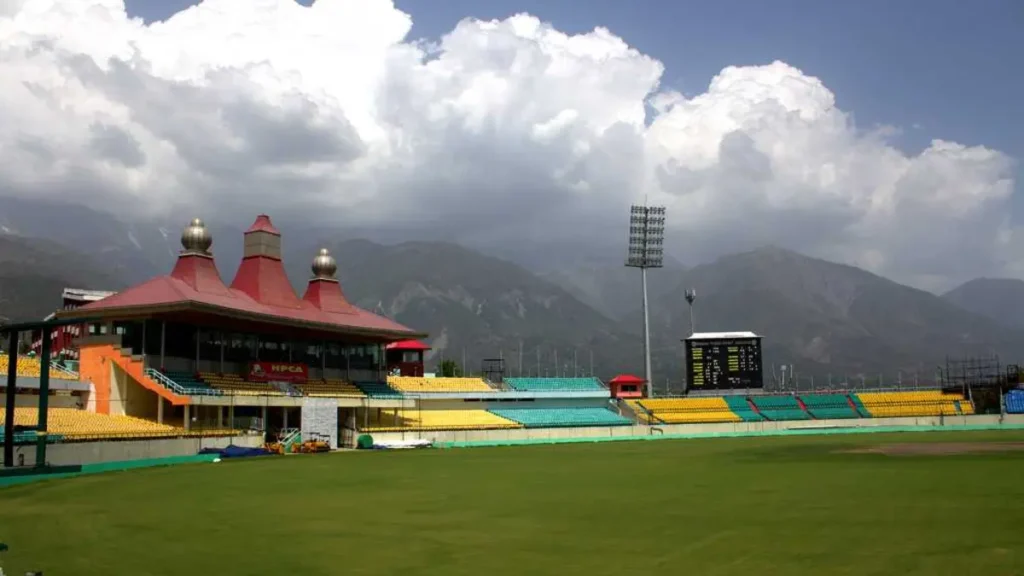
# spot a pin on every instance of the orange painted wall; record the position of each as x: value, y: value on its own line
x: 94, y: 366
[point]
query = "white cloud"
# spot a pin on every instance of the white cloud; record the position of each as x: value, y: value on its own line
x: 510, y: 127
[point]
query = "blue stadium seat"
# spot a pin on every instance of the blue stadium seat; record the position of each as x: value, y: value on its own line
x: 562, y: 417
x: 1015, y: 402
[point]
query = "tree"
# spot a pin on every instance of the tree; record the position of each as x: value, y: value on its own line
x: 449, y: 369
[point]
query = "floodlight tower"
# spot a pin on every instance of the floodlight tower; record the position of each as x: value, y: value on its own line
x: 646, y: 240
x: 690, y: 296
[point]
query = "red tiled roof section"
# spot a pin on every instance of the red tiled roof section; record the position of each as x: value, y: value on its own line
x: 263, y: 224
x: 327, y: 296
x: 200, y: 273
x: 261, y: 274
x: 408, y: 345
x: 265, y: 281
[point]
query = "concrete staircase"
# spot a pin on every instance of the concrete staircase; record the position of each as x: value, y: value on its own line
x: 132, y: 365
x: 626, y: 410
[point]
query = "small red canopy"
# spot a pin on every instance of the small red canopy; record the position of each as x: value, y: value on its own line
x: 408, y: 345
x: 627, y: 379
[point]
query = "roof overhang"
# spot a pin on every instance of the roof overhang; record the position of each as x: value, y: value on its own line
x: 49, y: 323
x: 721, y: 336
x: 76, y: 316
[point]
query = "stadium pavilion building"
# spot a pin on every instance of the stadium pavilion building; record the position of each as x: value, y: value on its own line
x: 187, y: 350
x: 186, y: 357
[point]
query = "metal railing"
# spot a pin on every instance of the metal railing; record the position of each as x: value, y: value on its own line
x: 173, y: 386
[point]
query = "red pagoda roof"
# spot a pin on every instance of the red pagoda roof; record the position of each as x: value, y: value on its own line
x: 260, y: 292
x: 263, y: 224
x: 407, y: 345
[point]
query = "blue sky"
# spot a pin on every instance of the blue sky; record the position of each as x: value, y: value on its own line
x: 945, y: 69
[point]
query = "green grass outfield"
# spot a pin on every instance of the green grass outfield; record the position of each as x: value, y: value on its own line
x: 765, y: 506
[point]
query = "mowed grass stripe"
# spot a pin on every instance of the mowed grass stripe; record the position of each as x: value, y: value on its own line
x: 785, y: 506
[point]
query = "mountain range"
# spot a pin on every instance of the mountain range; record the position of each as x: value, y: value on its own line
x: 824, y: 319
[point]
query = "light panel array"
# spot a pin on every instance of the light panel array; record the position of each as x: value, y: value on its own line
x: 646, y: 237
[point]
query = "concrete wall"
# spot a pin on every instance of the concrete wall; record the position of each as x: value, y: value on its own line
x: 684, y: 429
x: 95, y: 452
x: 54, y: 401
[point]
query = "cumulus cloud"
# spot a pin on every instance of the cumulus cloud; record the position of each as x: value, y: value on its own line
x: 511, y: 128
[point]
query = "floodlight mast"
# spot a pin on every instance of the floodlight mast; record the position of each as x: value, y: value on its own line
x: 690, y: 296
x: 646, y: 240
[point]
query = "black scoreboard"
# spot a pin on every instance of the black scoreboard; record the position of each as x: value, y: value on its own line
x: 723, y: 361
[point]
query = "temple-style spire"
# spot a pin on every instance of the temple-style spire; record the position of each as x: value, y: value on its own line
x: 195, y: 265
x: 324, y: 290
x: 261, y: 274
x: 195, y: 238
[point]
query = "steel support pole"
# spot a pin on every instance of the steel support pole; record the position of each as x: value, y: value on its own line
x: 647, y: 337
x: 12, y: 380
x: 44, y: 399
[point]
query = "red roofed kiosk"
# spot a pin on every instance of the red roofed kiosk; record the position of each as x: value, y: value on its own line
x: 405, y: 358
x: 627, y: 386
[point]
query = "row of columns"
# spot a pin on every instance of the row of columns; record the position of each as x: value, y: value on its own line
x: 187, y: 415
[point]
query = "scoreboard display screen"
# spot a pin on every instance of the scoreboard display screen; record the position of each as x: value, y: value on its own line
x: 723, y: 364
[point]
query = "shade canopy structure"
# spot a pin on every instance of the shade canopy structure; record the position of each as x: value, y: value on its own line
x: 627, y: 379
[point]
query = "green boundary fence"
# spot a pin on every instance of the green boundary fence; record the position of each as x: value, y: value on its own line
x: 108, y: 467
x: 87, y: 469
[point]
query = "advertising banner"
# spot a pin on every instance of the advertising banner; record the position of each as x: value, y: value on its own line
x: 278, y: 372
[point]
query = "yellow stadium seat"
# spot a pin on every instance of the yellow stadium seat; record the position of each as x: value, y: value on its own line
x: 235, y: 384
x: 420, y: 384
x: 30, y: 367
x: 912, y: 403
x: 330, y: 388
x: 79, y: 425
x: 704, y: 410
x: 399, y: 420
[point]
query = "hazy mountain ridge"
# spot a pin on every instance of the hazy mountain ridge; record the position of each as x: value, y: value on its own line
x: 34, y: 272
x: 831, y: 318
x: 820, y: 316
x: 483, y: 305
x: 1000, y: 299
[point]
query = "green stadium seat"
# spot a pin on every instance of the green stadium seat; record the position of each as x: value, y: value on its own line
x: 378, y: 390
x: 780, y: 408
x: 562, y: 417
x: 192, y: 383
x: 828, y: 406
x: 739, y: 405
x: 554, y: 384
x: 862, y: 410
